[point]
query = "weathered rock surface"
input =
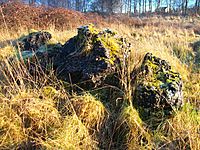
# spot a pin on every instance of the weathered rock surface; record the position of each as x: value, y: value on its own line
x: 91, y: 55
x: 33, y: 41
x: 158, y: 89
x: 37, y: 44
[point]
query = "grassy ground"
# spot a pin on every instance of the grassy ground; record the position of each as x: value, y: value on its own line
x: 40, y: 113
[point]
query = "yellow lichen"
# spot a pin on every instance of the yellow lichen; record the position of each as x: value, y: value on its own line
x: 49, y: 91
x: 88, y: 36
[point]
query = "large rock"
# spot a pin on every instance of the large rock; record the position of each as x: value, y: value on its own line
x: 158, y: 89
x: 92, y: 55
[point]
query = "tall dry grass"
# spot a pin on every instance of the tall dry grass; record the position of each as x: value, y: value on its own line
x: 37, y: 111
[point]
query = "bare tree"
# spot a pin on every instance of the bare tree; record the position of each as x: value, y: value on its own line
x: 135, y: 6
x: 184, y: 6
x: 150, y: 5
x: 197, y: 6
x: 140, y: 5
x: 158, y: 3
x: 107, y: 6
x: 32, y: 2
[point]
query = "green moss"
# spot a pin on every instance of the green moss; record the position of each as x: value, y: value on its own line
x: 158, y: 91
x: 86, y: 38
x: 157, y: 83
x: 112, y: 44
x: 89, y: 36
x: 157, y: 78
x: 135, y: 128
x: 49, y: 91
x: 131, y: 116
x: 92, y: 29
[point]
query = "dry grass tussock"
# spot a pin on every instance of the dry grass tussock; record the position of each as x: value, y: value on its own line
x: 32, y: 117
x: 37, y: 111
x: 84, y: 107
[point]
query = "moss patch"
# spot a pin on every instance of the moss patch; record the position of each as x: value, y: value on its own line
x: 158, y: 89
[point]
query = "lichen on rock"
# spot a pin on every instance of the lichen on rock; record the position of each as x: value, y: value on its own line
x: 91, y: 55
x: 33, y: 41
x: 158, y: 88
x: 37, y: 44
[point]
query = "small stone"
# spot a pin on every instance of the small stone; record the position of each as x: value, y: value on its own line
x: 33, y: 41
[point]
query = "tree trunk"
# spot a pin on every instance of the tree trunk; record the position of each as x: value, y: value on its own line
x: 143, y: 6
x: 32, y: 2
x: 121, y: 6
x: 150, y: 5
x: 140, y: 6
x: 130, y: 9
x: 77, y: 5
x: 158, y: 4
x: 170, y: 6
x: 186, y: 6
x: 135, y: 6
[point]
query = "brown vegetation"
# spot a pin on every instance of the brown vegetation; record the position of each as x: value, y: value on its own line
x: 18, y: 16
x: 39, y: 112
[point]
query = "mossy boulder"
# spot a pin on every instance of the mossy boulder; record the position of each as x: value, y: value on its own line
x: 158, y: 89
x: 91, y: 55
